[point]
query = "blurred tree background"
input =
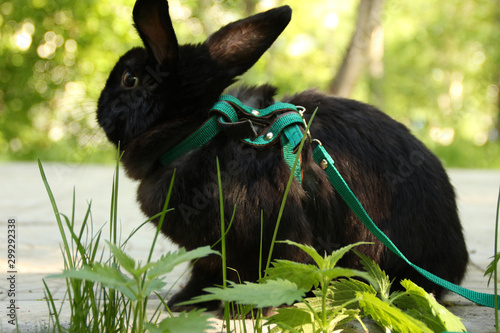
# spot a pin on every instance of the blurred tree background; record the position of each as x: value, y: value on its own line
x: 433, y: 65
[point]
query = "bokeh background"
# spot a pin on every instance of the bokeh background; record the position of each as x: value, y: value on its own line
x: 433, y: 65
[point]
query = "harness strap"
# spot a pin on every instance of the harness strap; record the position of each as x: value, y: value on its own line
x: 230, y: 115
x: 322, y: 157
x: 202, y: 135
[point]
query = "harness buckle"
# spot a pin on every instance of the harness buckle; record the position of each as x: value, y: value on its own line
x: 302, y: 111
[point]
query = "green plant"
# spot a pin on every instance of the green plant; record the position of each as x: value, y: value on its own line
x: 346, y: 299
x: 340, y: 297
x: 492, y: 269
x: 110, y: 293
x: 287, y: 282
x: 84, y: 299
x: 140, y: 281
x: 315, y: 313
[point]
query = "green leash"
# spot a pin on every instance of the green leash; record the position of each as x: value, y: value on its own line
x: 322, y: 157
x: 284, y: 118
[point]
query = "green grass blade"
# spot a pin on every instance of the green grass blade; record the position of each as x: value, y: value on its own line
x: 78, y: 239
x: 261, y: 248
x: 52, y: 306
x: 287, y: 190
x: 162, y: 217
x: 222, y: 227
x: 56, y: 214
x: 223, y: 244
x: 495, y: 274
x: 113, y: 218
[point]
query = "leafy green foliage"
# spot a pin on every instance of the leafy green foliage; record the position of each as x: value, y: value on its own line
x: 341, y: 299
x: 133, y: 287
x: 421, y: 305
x: 314, y: 314
x: 492, y: 266
x: 168, y: 262
x: 108, y: 276
x: 303, y: 275
x: 308, y: 276
x: 400, y: 311
x: 302, y: 319
x: 268, y: 293
x: 492, y: 269
x: 344, y: 290
x: 292, y: 320
x: 187, y: 322
x: 111, y: 296
x: 389, y: 316
x: 381, y: 283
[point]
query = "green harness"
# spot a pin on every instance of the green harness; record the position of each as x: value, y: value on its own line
x: 286, y: 121
x: 231, y: 115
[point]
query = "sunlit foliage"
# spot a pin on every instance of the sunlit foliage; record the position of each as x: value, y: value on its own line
x: 439, y: 75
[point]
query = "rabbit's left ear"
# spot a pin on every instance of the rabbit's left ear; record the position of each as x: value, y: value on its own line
x: 238, y: 45
x: 154, y: 25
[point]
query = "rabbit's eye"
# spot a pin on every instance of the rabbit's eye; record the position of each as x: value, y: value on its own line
x: 129, y: 80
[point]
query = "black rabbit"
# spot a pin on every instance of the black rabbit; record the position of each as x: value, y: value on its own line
x: 157, y: 96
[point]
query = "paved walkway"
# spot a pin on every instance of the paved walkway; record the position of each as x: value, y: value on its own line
x: 23, y: 199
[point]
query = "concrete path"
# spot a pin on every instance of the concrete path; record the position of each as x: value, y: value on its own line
x: 23, y: 199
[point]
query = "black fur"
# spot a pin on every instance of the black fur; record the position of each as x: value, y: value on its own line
x: 401, y: 184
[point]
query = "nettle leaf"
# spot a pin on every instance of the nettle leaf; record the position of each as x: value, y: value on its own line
x: 167, y: 262
x: 336, y: 315
x: 327, y: 262
x: 187, y: 322
x: 380, y: 280
x: 292, y: 320
x: 125, y: 261
x: 340, y: 317
x: 109, y: 277
x: 424, y: 307
x: 270, y: 293
x: 316, y: 303
x: 388, y: 316
x: 155, y: 284
x: 308, y: 276
x: 311, y: 251
x: 303, y: 275
x: 339, y: 272
x: 490, y: 270
x: 332, y: 259
x: 141, y: 269
x: 344, y: 290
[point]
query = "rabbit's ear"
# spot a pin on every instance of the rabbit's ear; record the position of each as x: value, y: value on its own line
x: 238, y: 45
x: 154, y: 25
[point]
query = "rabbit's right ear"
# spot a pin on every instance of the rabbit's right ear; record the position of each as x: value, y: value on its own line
x: 154, y: 25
